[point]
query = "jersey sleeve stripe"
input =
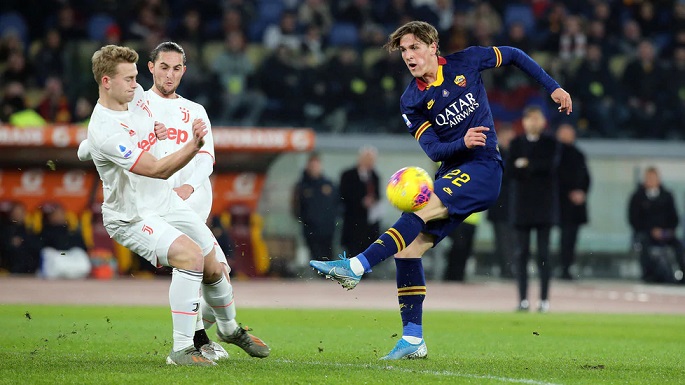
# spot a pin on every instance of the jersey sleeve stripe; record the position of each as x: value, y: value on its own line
x: 422, y: 128
x: 498, y: 54
x: 207, y: 152
x: 136, y: 162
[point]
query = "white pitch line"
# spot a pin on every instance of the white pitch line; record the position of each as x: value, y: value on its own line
x: 437, y: 373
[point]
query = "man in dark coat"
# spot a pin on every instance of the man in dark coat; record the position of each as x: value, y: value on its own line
x: 654, y: 218
x: 533, y: 163
x: 359, y: 192
x: 19, y: 246
x: 315, y: 205
x: 574, y: 183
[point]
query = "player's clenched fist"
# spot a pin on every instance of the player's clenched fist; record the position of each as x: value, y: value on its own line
x: 475, y: 136
x: 199, y: 132
x: 160, y: 131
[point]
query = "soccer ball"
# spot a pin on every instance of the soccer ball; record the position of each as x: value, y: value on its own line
x: 409, y: 189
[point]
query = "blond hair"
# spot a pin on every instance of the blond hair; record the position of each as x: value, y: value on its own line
x: 423, y: 31
x: 106, y: 59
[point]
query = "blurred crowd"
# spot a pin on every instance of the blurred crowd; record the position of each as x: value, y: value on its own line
x: 319, y: 63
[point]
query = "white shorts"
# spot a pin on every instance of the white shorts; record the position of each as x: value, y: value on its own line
x: 151, y: 237
x: 220, y: 256
x: 201, y: 200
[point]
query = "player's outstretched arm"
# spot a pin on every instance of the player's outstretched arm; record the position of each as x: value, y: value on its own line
x: 520, y: 59
x: 164, y: 168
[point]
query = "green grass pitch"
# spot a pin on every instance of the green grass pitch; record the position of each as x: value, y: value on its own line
x: 128, y: 345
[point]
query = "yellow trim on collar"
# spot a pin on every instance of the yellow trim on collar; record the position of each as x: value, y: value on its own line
x: 438, y: 78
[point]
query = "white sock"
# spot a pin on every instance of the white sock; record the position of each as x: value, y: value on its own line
x: 356, y: 266
x: 412, y: 340
x: 199, y: 325
x: 219, y: 296
x: 184, y: 299
x: 208, y: 319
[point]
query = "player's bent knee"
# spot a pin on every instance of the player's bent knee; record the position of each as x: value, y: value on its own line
x: 435, y: 209
x: 185, y: 254
x: 213, y: 270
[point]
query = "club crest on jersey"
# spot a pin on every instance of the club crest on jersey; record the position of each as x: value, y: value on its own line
x: 186, y: 114
x: 460, y: 80
x: 430, y: 104
x: 140, y: 103
x: 125, y: 152
x: 406, y: 120
x: 445, y: 93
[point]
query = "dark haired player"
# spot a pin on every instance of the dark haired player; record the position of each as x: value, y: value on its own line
x: 446, y: 109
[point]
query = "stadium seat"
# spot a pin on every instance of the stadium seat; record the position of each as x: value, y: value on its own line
x: 269, y: 11
x: 97, y: 26
x: 13, y: 21
x: 522, y: 14
x: 343, y: 34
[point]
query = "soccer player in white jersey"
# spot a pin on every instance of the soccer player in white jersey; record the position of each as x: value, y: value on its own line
x: 139, y: 210
x: 192, y: 185
x: 167, y: 65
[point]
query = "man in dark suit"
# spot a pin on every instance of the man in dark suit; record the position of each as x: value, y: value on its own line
x: 533, y: 161
x: 574, y: 183
x: 315, y: 205
x: 654, y: 218
x: 359, y: 192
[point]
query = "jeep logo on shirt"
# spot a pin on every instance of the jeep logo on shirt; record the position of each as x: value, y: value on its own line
x: 145, y: 145
x: 178, y: 135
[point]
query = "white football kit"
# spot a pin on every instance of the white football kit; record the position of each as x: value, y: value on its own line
x: 141, y: 213
x: 178, y: 115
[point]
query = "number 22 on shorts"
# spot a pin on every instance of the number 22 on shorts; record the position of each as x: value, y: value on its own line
x: 458, y: 178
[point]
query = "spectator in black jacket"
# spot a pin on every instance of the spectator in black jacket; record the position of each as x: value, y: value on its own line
x: 63, y: 253
x: 574, y: 183
x: 533, y: 161
x: 644, y: 81
x: 315, y: 205
x: 654, y: 218
x: 360, y: 195
x: 56, y: 232
x: 20, y: 246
